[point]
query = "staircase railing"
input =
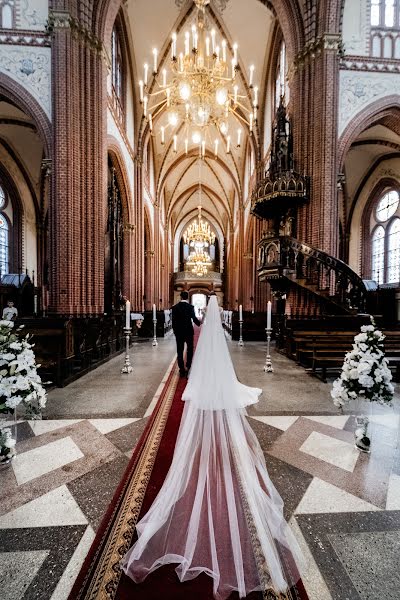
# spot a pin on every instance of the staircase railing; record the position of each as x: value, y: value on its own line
x: 313, y: 269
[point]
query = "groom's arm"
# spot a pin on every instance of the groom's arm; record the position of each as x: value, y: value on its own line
x: 193, y: 315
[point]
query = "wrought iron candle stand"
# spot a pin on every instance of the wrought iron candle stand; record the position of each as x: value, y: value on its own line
x: 240, y: 342
x: 127, y: 368
x: 155, y: 343
x: 268, y: 368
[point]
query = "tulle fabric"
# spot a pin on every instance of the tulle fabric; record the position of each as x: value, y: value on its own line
x: 213, y: 384
x: 217, y: 502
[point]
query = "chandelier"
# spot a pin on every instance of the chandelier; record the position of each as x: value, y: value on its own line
x: 199, y: 233
x: 201, y: 90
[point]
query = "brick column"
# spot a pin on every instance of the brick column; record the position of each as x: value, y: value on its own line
x: 314, y: 105
x: 79, y: 185
x: 138, y: 275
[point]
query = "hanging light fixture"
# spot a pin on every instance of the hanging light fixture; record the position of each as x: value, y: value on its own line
x: 199, y: 237
x: 201, y: 90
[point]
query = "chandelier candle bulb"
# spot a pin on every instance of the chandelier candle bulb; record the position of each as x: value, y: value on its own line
x: 164, y: 77
x: 173, y: 46
x: 217, y: 53
x: 255, y: 113
x: 255, y: 102
x: 127, y: 315
x: 155, y: 60
x: 213, y: 40
x: 223, y: 50
x: 239, y: 135
x: 233, y: 68
x: 235, y: 97
x: 187, y: 110
x: 146, y: 73
x: 207, y: 46
x: 187, y: 42
x: 181, y: 62
x: 251, y: 75
x: 269, y: 306
x: 235, y: 56
x: 228, y: 144
x: 186, y: 146
x: 150, y: 122
x: 168, y: 97
x: 162, y: 135
x: 145, y: 101
x: 216, y: 148
x: 175, y: 143
x: 141, y: 90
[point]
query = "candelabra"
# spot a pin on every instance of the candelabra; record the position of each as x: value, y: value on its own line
x: 240, y: 342
x: 155, y: 343
x: 268, y: 364
x: 127, y: 368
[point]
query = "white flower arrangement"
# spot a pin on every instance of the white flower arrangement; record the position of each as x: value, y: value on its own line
x: 19, y: 382
x: 365, y: 371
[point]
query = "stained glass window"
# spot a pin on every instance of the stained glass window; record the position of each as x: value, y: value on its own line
x: 2, y: 198
x: 378, y: 254
x: 393, y: 257
x: 4, y: 252
x: 387, y: 206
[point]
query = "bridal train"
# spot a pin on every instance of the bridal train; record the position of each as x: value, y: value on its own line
x: 217, y: 511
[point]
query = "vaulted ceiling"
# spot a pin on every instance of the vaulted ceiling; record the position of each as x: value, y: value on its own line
x: 249, y: 24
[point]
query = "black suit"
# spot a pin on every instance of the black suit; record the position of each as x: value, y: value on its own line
x: 182, y: 316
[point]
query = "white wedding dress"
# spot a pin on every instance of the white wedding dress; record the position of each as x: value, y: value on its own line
x: 217, y: 511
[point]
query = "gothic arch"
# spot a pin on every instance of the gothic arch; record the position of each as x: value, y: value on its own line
x: 374, y: 112
x: 27, y: 103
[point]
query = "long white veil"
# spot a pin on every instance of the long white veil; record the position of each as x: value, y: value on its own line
x: 217, y: 511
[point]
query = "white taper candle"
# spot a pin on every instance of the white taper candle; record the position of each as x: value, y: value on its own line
x: 127, y: 315
x: 269, y: 305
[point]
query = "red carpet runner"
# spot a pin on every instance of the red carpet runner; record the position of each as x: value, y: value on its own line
x: 100, y: 576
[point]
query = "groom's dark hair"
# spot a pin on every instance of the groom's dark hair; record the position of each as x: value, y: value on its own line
x: 184, y: 295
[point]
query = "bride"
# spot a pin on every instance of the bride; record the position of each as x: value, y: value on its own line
x: 217, y: 511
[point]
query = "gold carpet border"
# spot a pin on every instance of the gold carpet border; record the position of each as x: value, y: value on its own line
x: 104, y: 583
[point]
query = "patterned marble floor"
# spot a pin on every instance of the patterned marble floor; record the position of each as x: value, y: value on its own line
x: 344, y: 506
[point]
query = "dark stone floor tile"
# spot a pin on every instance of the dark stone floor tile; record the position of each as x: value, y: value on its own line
x: 60, y: 542
x: 291, y: 483
x: 357, y: 553
x: 94, y: 491
x: 126, y: 438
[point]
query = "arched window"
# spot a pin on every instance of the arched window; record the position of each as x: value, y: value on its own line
x: 4, y: 236
x: 393, y: 255
x: 378, y: 254
x: 7, y: 8
x: 385, y: 238
x: 281, y: 86
x: 118, y: 70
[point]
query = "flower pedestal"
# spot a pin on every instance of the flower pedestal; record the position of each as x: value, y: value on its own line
x: 362, y: 439
x: 365, y: 377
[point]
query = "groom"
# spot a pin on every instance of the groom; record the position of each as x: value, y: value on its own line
x: 182, y: 316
